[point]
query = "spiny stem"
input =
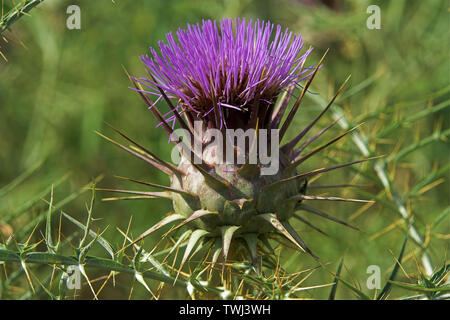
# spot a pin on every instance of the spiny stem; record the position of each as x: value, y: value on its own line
x: 89, y: 218
x: 380, y: 169
x: 17, y: 12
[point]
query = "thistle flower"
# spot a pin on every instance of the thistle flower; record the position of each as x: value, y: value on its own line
x: 227, y: 68
x: 232, y: 76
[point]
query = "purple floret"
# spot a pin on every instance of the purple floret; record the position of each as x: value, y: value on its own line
x: 231, y: 69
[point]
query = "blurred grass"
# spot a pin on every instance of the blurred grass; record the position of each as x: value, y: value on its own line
x: 59, y: 85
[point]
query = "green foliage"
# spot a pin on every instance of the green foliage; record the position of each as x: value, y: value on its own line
x: 59, y: 86
x: 18, y: 11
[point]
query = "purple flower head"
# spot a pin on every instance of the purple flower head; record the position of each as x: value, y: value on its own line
x: 224, y: 74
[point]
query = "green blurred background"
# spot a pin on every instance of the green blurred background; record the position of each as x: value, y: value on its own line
x: 59, y: 86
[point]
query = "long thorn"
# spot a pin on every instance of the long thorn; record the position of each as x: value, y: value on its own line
x: 304, y: 197
x: 318, y: 171
x: 166, y: 188
x: 294, y: 141
x: 300, y: 159
x: 163, y: 194
x: 169, y: 103
x: 296, y: 152
x: 296, y: 216
x: 325, y: 215
x: 169, y: 166
x: 140, y: 156
x: 299, y: 100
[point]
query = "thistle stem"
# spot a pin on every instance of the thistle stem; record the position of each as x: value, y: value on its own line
x: 45, y: 258
x: 380, y: 168
x: 16, y: 13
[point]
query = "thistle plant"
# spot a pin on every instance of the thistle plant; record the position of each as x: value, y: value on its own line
x: 251, y: 88
x: 20, y: 9
x: 225, y: 78
x: 8, y: 18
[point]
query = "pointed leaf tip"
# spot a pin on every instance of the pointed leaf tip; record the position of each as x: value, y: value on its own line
x: 227, y: 235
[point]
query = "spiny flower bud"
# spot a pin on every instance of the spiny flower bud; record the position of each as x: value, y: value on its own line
x: 232, y: 78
